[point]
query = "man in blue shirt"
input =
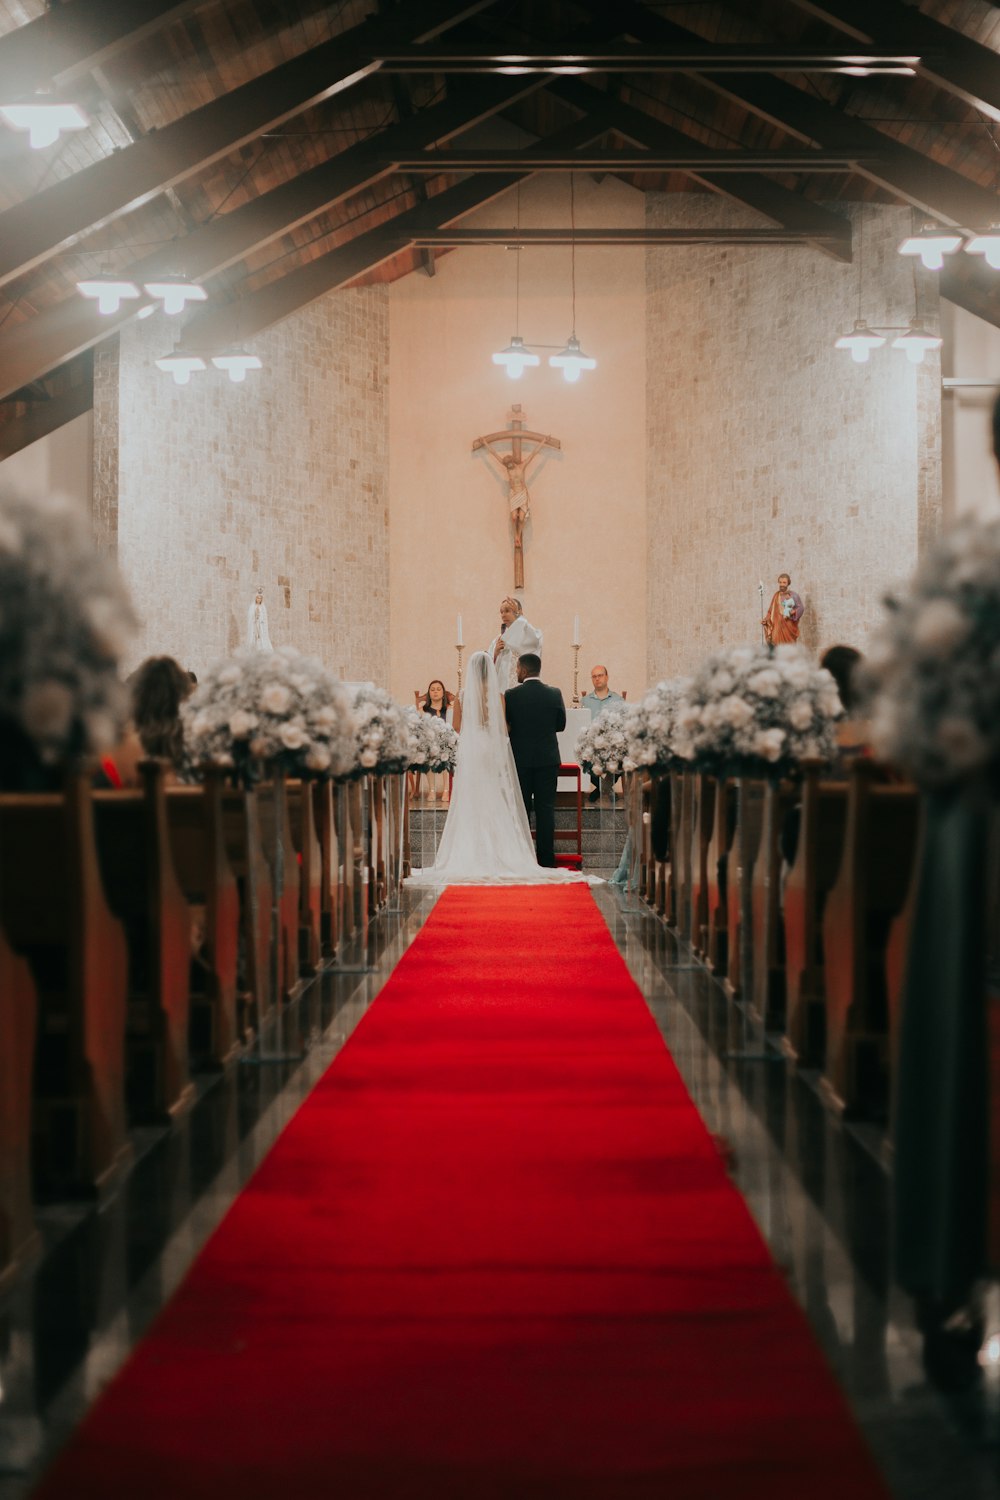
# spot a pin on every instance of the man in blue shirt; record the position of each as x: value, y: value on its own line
x: 597, y: 702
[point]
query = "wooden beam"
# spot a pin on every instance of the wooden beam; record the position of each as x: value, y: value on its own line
x: 693, y: 159
x: 33, y: 231
x: 70, y: 40
x: 969, y: 283
x: 951, y: 61
x: 215, y: 327
x: 719, y: 57
x: 831, y: 232
x: 41, y: 343
x: 615, y: 235
x: 44, y: 418
x: 908, y: 174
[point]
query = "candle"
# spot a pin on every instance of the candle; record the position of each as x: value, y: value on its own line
x: 458, y: 632
x: 576, y: 630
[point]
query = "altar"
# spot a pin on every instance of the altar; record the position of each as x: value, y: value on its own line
x: 577, y: 719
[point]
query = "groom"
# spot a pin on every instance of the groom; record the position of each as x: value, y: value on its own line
x: 535, y: 715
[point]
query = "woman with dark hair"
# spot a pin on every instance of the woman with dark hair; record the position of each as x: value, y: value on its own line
x: 853, y: 731
x: 157, y: 689
x: 437, y: 701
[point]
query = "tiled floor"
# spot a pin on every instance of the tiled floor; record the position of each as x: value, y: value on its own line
x: 818, y: 1192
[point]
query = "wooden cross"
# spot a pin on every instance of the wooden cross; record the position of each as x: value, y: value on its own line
x: 514, y: 466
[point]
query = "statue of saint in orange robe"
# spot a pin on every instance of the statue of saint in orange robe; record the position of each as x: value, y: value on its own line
x: 781, y: 623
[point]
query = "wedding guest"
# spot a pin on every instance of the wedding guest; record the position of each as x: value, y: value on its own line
x: 853, y: 730
x: 596, y: 702
x: 157, y: 689
x: 438, y: 702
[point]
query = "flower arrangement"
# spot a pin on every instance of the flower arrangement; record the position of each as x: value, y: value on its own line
x: 934, y: 670
x: 65, y: 619
x: 279, y: 709
x: 433, y: 743
x: 754, y: 711
x: 381, y: 734
x: 649, y: 725
x: 602, y: 748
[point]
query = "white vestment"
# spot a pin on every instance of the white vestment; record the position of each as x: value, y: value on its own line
x: 258, y: 638
x: 518, y: 638
x: 486, y: 839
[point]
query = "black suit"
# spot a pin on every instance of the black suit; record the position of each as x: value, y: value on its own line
x: 535, y: 715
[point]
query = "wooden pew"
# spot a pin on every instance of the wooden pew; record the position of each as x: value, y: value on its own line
x: 280, y: 854
x: 717, y: 861
x: 678, y: 895
x: 376, y: 843
x: 19, y: 1239
x: 739, y: 867
x: 244, y: 850
x: 137, y: 870
x: 768, y: 996
x: 822, y: 821
x: 324, y: 816
x: 302, y: 823
x: 344, y: 807
x: 703, y: 814
x: 197, y: 841
x: 870, y: 890
x: 54, y: 911
x: 360, y: 824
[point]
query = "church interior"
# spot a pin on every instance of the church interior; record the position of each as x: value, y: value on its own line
x: 344, y: 345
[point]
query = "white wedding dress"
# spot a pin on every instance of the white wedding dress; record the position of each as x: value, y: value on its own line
x: 487, y: 838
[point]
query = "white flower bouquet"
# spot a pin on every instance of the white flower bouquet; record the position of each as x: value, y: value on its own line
x: 602, y: 748
x: 757, y: 711
x: 270, y: 709
x: 381, y: 733
x: 65, y: 620
x: 935, y: 667
x: 433, y: 743
x: 649, y: 725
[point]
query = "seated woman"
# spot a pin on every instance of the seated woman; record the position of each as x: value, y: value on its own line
x: 439, y: 702
x: 157, y: 688
x: 853, y: 731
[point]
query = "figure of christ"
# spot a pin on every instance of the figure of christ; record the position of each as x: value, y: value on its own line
x: 781, y: 623
x: 514, y: 466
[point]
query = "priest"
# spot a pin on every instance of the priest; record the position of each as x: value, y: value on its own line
x: 516, y: 637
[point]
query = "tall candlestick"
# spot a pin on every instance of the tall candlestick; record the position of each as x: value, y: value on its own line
x: 458, y: 632
x: 459, y: 648
x: 576, y: 630
x: 576, y: 674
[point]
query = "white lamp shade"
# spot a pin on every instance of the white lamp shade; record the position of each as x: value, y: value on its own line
x: 44, y: 120
x: 108, y: 291
x: 572, y: 360
x: 175, y: 294
x: 237, y: 363
x: 860, y: 341
x: 515, y: 357
x: 986, y: 244
x: 180, y: 366
x: 932, y: 245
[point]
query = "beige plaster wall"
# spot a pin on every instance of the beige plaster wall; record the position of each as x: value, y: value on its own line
x: 585, y: 546
x: 971, y: 351
x: 60, y: 463
x: 212, y: 488
x: 770, y: 450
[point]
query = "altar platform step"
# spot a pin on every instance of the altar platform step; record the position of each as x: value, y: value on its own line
x: 604, y: 830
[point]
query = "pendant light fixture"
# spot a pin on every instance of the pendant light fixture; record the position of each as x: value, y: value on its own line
x: 236, y: 362
x: 571, y: 359
x: 43, y: 118
x: 516, y: 358
x: 108, y: 290
x: 861, y: 341
x: 931, y: 244
x: 916, y: 341
x: 181, y: 366
x: 175, y: 292
x: 986, y: 244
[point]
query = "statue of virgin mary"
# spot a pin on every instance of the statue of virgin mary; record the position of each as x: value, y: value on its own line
x: 258, y: 638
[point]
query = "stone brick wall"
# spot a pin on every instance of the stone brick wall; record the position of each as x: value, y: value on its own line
x: 280, y: 481
x: 769, y: 450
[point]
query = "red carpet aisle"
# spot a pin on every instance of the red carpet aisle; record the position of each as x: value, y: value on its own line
x: 494, y: 1254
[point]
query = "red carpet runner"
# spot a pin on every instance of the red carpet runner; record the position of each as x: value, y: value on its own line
x: 495, y: 1254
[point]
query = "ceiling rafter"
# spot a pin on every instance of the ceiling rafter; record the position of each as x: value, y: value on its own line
x: 721, y: 57
x: 788, y: 209
x: 908, y: 174
x: 691, y: 159
x: 35, y: 230
x: 69, y: 41
x: 216, y: 327
x: 51, y: 336
x: 947, y: 58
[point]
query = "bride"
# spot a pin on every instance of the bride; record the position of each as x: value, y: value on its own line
x: 486, y: 836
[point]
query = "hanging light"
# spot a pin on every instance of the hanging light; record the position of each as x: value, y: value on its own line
x: 181, y: 366
x: 571, y: 360
x: 861, y: 341
x: 515, y: 357
x: 109, y: 291
x: 916, y: 341
x: 43, y: 119
x: 932, y: 245
x: 986, y: 244
x: 237, y: 362
x: 175, y: 292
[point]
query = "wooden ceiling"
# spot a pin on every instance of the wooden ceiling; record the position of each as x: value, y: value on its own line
x: 276, y: 150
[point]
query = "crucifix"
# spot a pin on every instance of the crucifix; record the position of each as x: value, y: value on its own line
x: 514, y: 466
